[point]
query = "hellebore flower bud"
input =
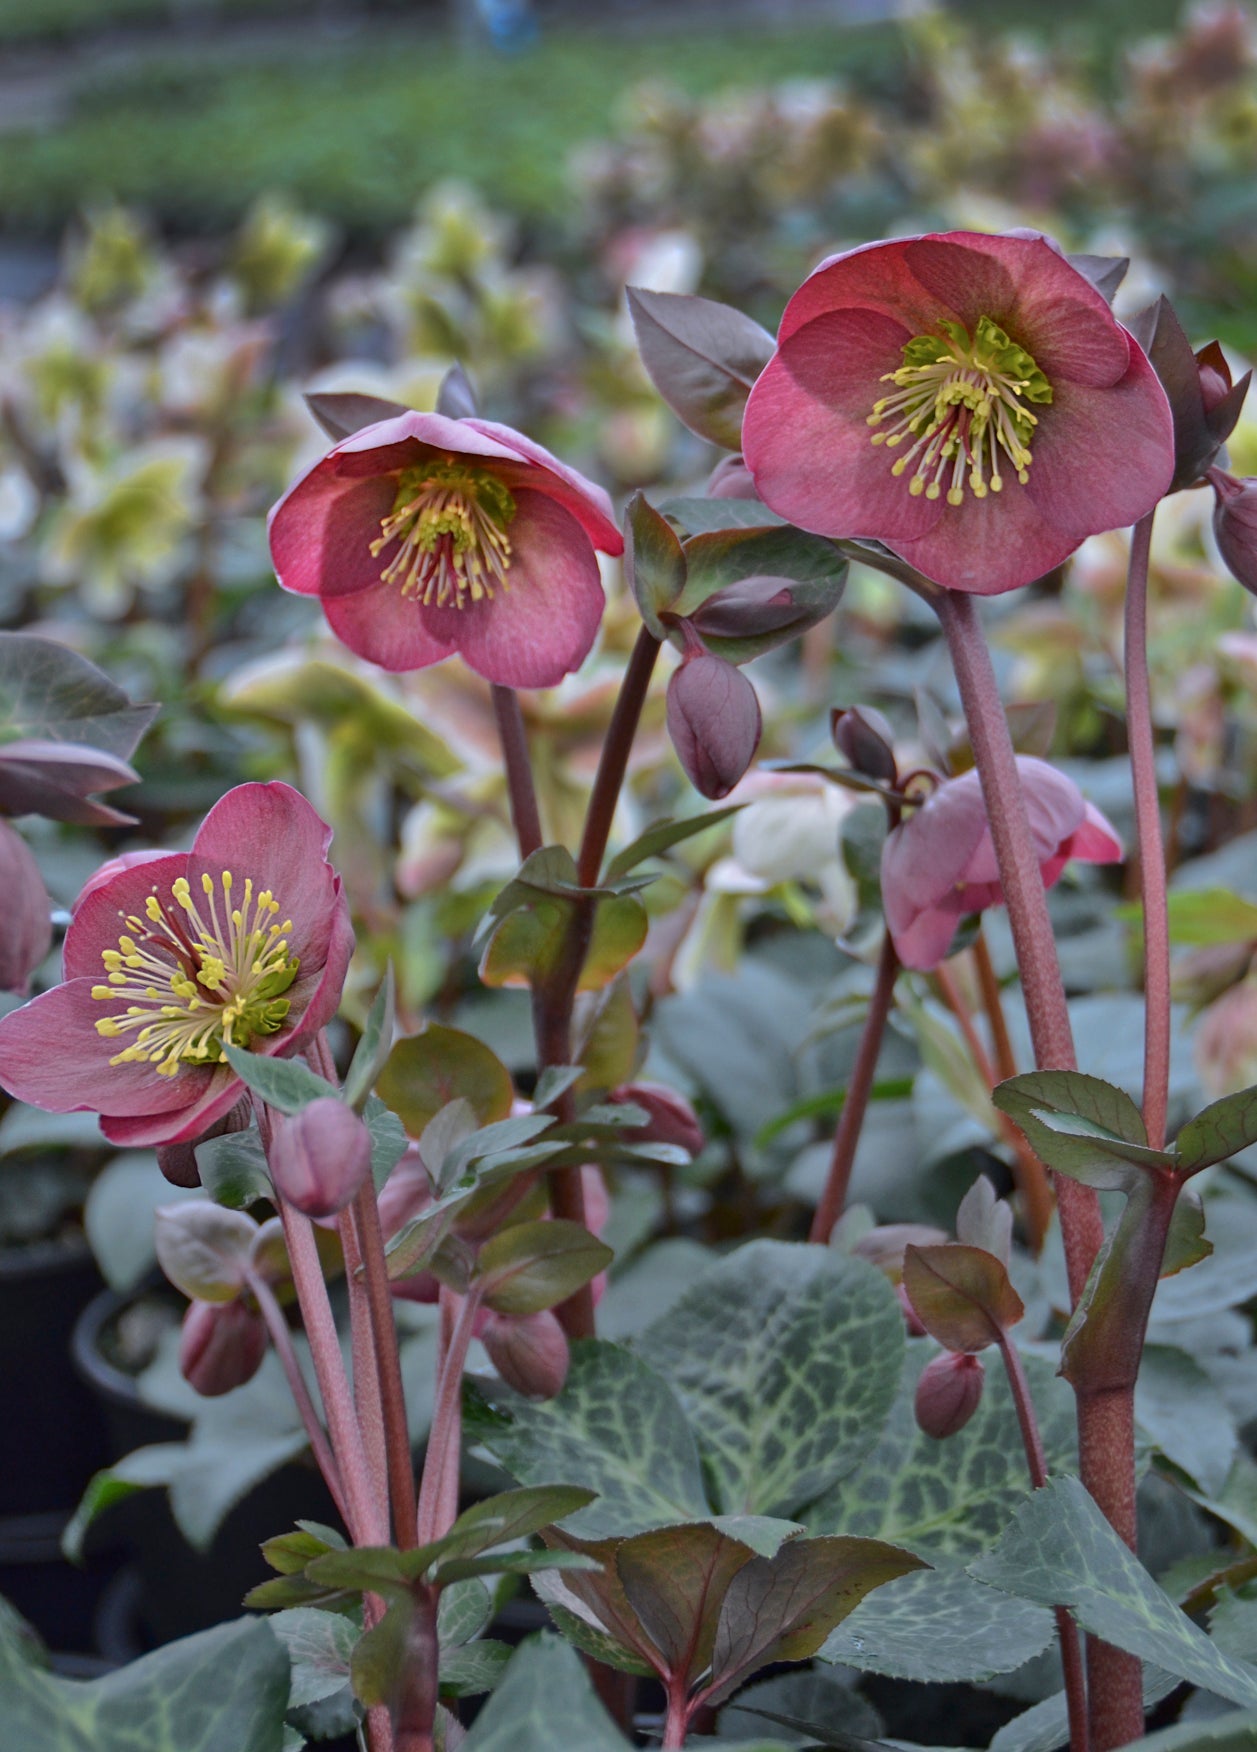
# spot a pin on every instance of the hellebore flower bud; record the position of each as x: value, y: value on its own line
x: 948, y: 1392
x: 671, y: 1118
x: 528, y: 1351
x: 1235, y: 525
x: 867, y: 740
x: 714, y: 722
x: 221, y: 1347
x: 753, y: 608
x: 1204, y: 403
x: 178, y: 1161
x: 731, y: 479
x: 320, y: 1157
x: 27, y: 934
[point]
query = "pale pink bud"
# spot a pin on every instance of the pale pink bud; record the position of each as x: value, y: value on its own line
x: 26, y: 934
x: 221, y: 1347
x: 671, y: 1119
x: 948, y: 1393
x: 731, y: 479
x: 714, y: 722
x: 529, y: 1352
x: 320, y: 1157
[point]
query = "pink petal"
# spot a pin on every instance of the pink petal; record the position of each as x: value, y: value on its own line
x: 101, y: 911
x: 807, y: 440
x: 588, y: 503
x: 316, y: 1001
x: 926, y: 940
x: 987, y: 546
x: 1097, y: 840
x: 964, y: 277
x: 876, y: 277
x: 1054, y: 808
x: 541, y: 628
x: 270, y: 833
x: 321, y: 531
x: 1105, y: 456
x: 52, y: 1057
x: 405, y: 441
x: 927, y: 855
x: 385, y: 627
x: 136, y: 1131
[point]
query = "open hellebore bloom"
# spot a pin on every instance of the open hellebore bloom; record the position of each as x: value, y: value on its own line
x: 245, y: 940
x: 939, y: 864
x: 425, y: 535
x: 970, y: 401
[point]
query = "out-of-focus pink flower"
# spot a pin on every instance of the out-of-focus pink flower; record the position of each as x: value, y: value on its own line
x: 939, y: 864
x: 970, y: 401
x: 424, y: 535
x: 1235, y: 525
x: 672, y: 1120
x: 26, y: 935
x: 221, y: 1346
x: 244, y: 939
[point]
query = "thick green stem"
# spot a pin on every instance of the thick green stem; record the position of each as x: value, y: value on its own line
x: 851, y: 1119
x: 1152, y: 881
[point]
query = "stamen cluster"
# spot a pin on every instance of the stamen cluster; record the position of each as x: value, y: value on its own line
x: 189, y: 983
x: 959, y: 404
x: 450, y: 522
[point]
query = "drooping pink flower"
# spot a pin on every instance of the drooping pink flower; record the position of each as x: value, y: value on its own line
x: 245, y: 939
x: 939, y: 864
x: 424, y: 535
x: 968, y: 400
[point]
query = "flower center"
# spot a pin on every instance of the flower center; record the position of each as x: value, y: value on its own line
x: 449, y: 520
x: 960, y: 405
x: 187, y: 983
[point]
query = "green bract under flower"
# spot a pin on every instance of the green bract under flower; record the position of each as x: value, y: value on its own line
x: 962, y: 403
x: 188, y: 984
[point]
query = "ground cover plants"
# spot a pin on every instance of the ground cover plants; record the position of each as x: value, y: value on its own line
x: 689, y: 1050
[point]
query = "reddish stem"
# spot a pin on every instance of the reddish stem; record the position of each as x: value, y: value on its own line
x: 368, y: 1401
x: 514, y: 739
x: 677, y: 1721
x: 281, y: 1338
x: 401, y: 1475
x: 1152, y: 881
x: 613, y: 763
x: 444, y: 1439
x: 854, y: 1108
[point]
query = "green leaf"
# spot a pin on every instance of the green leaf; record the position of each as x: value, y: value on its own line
x: 104, y: 1489
x: 663, y: 836
x: 512, y: 1514
x: 203, y: 1249
x: 702, y: 357
x: 554, y: 1081
x: 463, y: 1611
x: 467, y: 1672
x: 711, y: 516
x: 49, y: 693
x: 373, y: 1049
x: 962, y: 1295
x: 289, y: 1553
x: 384, y: 1658
x: 1234, y: 1732
x: 528, y: 945
x: 653, y: 563
x: 508, y: 1563
x: 1081, y: 1126
x: 1201, y: 916
x: 939, y: 1626
x: 380, y: 1569
x: 544, y: 1684
x: 225, y: 1690
x: 1222, y: 1129
x: 783, y: 1608
x: 616, y: 1428
x: 233, y: 1169
x: 287, y: 1085
x: 1179, y: 1407
x: 1046, y: 1727
x: 786, y: 1358
x: 533, y: 1266
x: 426, y: 1071
x: 809, y: 1700
x: 1060, y: 1551
x: 388, y: 1139
x: 319, y: 1646
x: 948, y: 1500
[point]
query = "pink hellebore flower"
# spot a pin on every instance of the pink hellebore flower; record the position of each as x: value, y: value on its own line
x: 244, y: 939
x: 425, y: 535
x: 939, y: 865
x: 969, y: 401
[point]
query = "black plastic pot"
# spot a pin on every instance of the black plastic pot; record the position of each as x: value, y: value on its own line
x: 51, y: 1436
x: 181, y: 1590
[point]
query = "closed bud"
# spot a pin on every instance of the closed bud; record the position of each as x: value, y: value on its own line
x: 911, y: 1319
x: 671, y: 1118
x: 320, y: 1157
x: 178, y: 1161
x: 1235, y: 525
x: 731, y: 479
x: 1204, y: 403
x: 867, y: 740
x: 753, y: 608
x: 948, y: 1393
x: 528, y: 1351
x: 714, y: 722
x: 221, y: 1347
x: 27, y: 933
